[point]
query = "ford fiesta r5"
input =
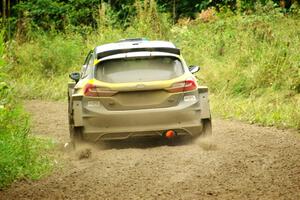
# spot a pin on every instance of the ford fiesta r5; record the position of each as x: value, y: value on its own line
x: 136, y: 88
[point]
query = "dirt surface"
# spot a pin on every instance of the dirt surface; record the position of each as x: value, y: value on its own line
x: 240, y: 161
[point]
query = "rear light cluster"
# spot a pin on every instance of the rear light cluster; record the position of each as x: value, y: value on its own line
x: 184, y: 86
x: 92, y: 90
x: 96, y: 91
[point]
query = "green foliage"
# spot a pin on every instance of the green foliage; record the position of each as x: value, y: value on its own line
x: 149, y: 22
x: 21, y: 155
x: 272, y: 109
x: 251, y: 65
x: 250, y: 60
x: 58, y: 14
x: 48, y: 55
x: 43, y: 13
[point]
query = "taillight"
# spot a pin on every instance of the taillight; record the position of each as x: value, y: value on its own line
x: 190, y: 85
x: 97, y: 91
x: 184, y: 86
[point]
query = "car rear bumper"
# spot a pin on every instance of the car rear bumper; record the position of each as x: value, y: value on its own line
x: 101, y: 124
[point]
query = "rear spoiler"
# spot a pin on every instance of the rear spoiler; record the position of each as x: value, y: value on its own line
x: 117, y: 51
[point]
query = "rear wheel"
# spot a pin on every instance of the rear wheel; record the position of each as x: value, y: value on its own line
x: 207, y: 127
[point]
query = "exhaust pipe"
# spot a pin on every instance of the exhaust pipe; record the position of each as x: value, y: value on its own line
x: 170, y: 134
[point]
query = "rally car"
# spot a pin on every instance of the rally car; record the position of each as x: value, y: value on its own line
x: 133, y: 88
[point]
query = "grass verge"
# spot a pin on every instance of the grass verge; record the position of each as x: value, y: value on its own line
x: 22, y: 156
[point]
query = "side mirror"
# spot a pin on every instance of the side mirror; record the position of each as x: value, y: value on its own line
x: 193, y: 69
x: 75, y: 76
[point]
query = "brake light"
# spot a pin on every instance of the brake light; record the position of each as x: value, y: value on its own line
x: 190, y: 84
x: 97, y: 91
x: 184, y: 86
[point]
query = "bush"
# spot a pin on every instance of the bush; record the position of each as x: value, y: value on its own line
x: 251, y: 64
x: 21, y: 155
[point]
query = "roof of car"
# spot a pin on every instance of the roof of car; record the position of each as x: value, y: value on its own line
x: 135, y: 45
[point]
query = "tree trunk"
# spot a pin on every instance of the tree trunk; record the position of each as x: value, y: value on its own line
x: 8, y: 8
x: 238, y: 6
x: 174, y: 11
x: 282, y: 3
x: 3, y: 10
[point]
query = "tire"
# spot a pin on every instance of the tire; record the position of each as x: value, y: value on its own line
x: 207, y: 127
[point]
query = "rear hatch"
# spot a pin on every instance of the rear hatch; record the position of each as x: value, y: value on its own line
x: 138, y: 83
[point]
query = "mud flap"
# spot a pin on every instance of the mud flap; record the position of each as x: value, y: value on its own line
x: 204, y: 102
x: 74, y: 107
x: 71, y: 86
x: 207, y: 127
x: 77, y: 113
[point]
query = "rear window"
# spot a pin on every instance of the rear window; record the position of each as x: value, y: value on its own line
x: 142, y: 69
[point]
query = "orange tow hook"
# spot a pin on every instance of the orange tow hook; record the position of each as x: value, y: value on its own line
x: 170, y: 134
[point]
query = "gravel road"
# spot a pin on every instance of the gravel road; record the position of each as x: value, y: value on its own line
x: 240, y: 161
